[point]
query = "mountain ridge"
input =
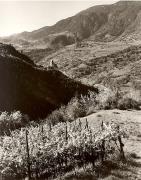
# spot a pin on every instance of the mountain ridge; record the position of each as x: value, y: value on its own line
x: 101, y: 23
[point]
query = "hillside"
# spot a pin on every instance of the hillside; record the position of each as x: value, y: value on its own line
x: 112, y: 64
x: 33, y: 90
x: 100, y: 23
x: 45, y: 74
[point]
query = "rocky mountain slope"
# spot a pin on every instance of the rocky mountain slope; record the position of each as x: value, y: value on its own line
x: 33, y: 90
x: 100, y: 23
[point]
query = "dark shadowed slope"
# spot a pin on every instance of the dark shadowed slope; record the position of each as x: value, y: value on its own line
x: 30, y: 89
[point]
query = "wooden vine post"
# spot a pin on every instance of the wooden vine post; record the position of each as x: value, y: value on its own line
x: 42, y: 129
x: 66, y: 133
x: 102, y: 145
x: 121, y: 146
x: 87, y: 125
x: 50, y: 128
x: 66, y: 138
x: 80, y: 125
x: 28, y: 157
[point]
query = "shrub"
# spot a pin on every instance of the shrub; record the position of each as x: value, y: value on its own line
x: 107, y: 99
x: 9, y: 122
x: 8, y: 173
x: 131, y: 100
x: 128, y: 103
x: 76, y: 108
x: 59, y: 115
x: 90, y: 103
x: 111, y: 99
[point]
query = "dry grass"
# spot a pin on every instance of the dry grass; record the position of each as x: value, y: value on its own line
x: 111, y: 170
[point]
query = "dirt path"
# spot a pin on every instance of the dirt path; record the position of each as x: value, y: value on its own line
x: 131, y: 122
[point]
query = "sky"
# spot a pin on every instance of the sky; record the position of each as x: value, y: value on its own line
x: 19, y: 16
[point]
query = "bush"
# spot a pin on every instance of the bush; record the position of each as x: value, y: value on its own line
x: 128, y: 103
x: 9, y: 122
x: 88, y: 104
x: 59, y: 115
x: 76, y: 108
x: 111, y: 99
x: 131, y: 100
x: 8, y: 173
x: 106, y: 99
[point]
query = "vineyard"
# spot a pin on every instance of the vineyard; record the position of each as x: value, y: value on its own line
x: 46, y: 151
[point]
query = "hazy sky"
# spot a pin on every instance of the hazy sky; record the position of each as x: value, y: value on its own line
x: 18, y: 16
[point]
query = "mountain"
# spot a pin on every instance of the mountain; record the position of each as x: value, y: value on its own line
x: 33, y: 90
x: 100, y: 23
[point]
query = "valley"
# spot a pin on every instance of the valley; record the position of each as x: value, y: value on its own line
x: 70, y: 98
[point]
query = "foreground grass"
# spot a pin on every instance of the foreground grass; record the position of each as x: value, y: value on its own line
x: 49, y: 151
x: 110, y: 170
x: 114, y: 169
x: 131, y: 122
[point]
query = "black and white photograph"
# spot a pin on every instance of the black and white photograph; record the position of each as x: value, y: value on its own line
x: 70, y: 90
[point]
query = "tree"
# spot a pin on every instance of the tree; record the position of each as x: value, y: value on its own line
x: 77, y: 40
